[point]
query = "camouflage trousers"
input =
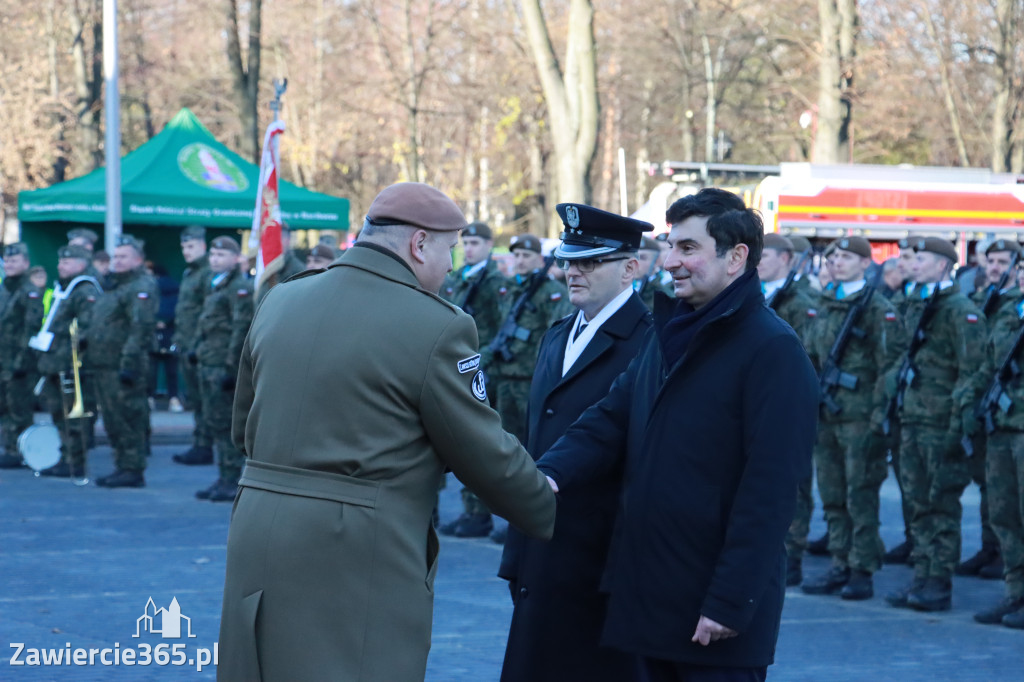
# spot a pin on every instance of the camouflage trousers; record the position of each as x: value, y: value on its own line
x: 217, y: 412
x: 16, y: 401
x: 934, y: 472
x: 125, y: 412
x: 850, y: 462
x: 894, y: 453
x: 193, y: 401
x: 73, y: 432
x: 800, y: 527
x: 976, y: 465
x: 1005, y: 472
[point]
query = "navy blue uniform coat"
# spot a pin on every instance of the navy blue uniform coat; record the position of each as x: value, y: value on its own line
x: 556, y: 624
x: 714, y: 448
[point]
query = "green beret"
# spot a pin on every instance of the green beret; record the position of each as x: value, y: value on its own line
x: 800, y: 244
x: 855, y: 245
x: 74, y: 251
x: 196, y: 232
x: 938, y: 246
x: 226, y: 243
x: 329, y: 238
x: 774, y: 240
x: 134, y: 242
x: 16, y: 249
x: 482, y: 230
x: 649, y: 244
x: 83, y: 233
x: 1003, y: 245
x: 525, y: 241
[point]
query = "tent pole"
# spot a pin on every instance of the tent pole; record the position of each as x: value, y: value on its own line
x: 112, y: 105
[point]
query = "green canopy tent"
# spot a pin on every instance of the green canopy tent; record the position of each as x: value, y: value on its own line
x: 183, y: 176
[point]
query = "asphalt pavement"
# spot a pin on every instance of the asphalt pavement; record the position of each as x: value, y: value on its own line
x: 79, y: 564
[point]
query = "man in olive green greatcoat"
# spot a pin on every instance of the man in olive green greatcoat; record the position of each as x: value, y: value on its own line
x: 349, y: 415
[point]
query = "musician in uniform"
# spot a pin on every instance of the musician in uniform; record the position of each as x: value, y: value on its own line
x: 938, y: 393
x: 75, y: 299
x: 220, y: 331
x: 116, y: 349
x: 850, y: 455
x: 20, y: 318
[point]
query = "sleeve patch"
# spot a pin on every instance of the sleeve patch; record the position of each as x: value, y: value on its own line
x: 890, y: 316
x: 479, y: 387
x: 242, y: 293
x: 33, y: 294
x: 502, y: 291
x: 557, y: 296
x: 469, y: 364
x: 972, y: 318
x: 143, y: 295
x: 812, y: 312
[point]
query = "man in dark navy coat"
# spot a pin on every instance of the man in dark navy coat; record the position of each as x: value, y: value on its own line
x: 559, y: 611
x: 715, y: 423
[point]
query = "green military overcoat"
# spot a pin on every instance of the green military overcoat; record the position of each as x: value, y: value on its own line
x: 356, y: 389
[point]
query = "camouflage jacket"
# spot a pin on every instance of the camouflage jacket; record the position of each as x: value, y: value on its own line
x: 1007, y: 302
x: 78, y: 305
x: 20, y: 317
x: 798, y: 307
x: 869, y: 356
x: 946, y: 366
x: 549, y: 303
x: 1006, y: 325
x: 647, y: 287
x: 122, y: 332
x: 486, y: 304
x: 195, y: 284
x: 224, y: 322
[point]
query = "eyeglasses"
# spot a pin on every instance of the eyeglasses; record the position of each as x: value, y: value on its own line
x: 586, y: 266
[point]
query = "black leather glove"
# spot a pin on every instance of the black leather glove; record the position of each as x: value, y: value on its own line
x: 192, y: 358
x: 227, y: 382
x: 127, y: 378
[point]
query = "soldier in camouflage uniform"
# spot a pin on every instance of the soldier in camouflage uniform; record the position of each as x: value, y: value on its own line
x: 292, y: 265
x: 514, y: 372
x: 117, y: 347
x: 850, y: 455
x: 649, y: 277
x: 938, y: 411
x: 797, y: 306
x: 1005, y: 465
x: 56, y: 363
x: 220, y: 333
x: 195, y: 284
x: 998, y: 258
x: 19, y: 319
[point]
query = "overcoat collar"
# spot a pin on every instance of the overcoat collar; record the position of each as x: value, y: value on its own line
x: 617, y: 327
x: 380, y: 261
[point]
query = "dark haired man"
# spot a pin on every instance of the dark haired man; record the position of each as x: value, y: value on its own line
x: 715, y: 417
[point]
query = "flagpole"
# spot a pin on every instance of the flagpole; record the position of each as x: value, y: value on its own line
x: 112, y: 106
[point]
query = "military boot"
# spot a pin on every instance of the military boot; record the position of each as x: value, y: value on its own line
x: 827, y: 583
x: 205, y: 494
x: 986, y: 555
x: 859, y: 588
x: 899, y: 554
x: 936, y: 595
x: 225, y: 491
x: 196, y: 455
x: 122, y: 479
x: 900, y: 598
x: 818, y: 547
x: 994, y: 615
x: 1015, y: 620
x: 993, y: 570
x: 794, y: 571
x: 8, y: 461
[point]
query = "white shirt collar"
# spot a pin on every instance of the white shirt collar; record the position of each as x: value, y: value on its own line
x: 573, y: 349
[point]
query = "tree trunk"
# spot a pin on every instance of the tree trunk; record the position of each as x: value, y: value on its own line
x: 947, y: 85
x: 245, y: 76
x: 1007, y: 18
x: 571, y: 97
x: 60, y: 162
x: 838, y: 24
x: 88, y: 80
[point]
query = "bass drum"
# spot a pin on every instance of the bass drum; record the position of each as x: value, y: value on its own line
x: 39, y: 445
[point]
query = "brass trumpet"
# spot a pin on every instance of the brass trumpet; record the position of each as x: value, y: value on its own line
x: 78, y: 409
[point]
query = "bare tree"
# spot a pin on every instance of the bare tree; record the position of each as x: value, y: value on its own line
x: 838, y: 24
x: 245, y: 74
x: 84, y: 16
x: 1004, y: 110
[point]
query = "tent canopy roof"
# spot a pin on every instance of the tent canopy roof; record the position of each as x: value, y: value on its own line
x: 182, y: 176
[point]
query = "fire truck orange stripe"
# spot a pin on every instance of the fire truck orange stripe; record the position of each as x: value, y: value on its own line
x: 901, y: 212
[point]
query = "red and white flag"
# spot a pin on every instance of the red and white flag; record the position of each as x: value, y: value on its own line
x: 265, y: 237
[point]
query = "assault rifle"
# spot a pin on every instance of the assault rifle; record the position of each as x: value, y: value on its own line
x: 467, y: 302
x: 995, y: 396
x: 832, y: 374
x: 991, y: 301
x: 907, y: 373
x: 510, y: 328
x: 780, y: 294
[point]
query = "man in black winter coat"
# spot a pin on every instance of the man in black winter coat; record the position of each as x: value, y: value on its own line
x: 715, y: 423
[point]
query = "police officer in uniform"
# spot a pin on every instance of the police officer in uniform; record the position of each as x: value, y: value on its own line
x: 55, y: 364
x: 938, y: 411
x: 195, y: 285
x: 220, y: 333
x: 20, y: 318
x: 118, y: 344
x: 514, y: 370
x: 559, y: 610
x: 999, y: 256
x: 849, y: 455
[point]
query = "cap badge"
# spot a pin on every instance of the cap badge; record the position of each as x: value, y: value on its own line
x: 572, y: 216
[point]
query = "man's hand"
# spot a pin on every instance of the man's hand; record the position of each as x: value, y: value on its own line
x: 551, y: 482
x: 709, y: 631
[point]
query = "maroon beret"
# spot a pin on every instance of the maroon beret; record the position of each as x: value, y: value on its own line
x: 416, y: 204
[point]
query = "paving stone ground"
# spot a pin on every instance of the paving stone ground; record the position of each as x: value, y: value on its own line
x: 78, y: 564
